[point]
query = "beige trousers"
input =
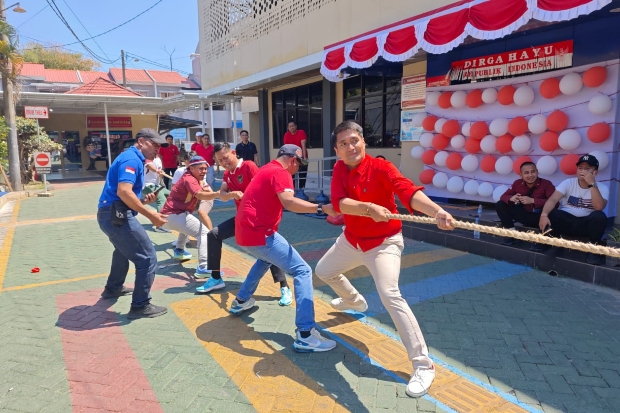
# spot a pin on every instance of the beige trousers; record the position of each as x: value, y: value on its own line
x: 383, y: 262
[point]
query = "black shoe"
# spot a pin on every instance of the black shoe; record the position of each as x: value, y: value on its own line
x: 595, y: 259
x: 110, y: 294
x: 147, y: 311
x: 507, y: 241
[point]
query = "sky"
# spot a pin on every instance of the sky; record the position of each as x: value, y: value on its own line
x: 172, y: 24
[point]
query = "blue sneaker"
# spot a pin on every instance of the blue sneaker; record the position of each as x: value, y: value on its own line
x: 202, y: 272
x: 211, y: 285
x: 286, y: 296
x: 181, y: 255
x: 313, y: 344
x: 236, y: 308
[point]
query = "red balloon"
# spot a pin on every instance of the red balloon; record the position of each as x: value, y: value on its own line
x: 595, y: 76
x: 599, y: 132
x: 504, y: 143
x: 472, y: 145
x: 451, y: 128
x: 516, y: 166
x: 550, y: 88
x: 568, y: 164
x: 557, y: 121
x: 454, y: 161
x: 426, y: 176
x: 440, y: 142
x: 517, y: 126
x: 479, y: 130
x: 505, y: 96
x: 488, y: 164
x: 549, y: 141
x: 474, y: 99
x: 429, y: 123
x: 428, y: 157
x: 444, y: 100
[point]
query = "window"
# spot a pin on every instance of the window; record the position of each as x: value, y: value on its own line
x: 374, y: 103
x: 304, y: 106
x: 167, y: 94
x: 144, y: 93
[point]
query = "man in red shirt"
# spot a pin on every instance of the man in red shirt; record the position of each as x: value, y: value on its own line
x: 363, y: 189
x: 298, y: 137
x: 205, y: 149
x: 257, y: 220
x: 169, y: 159
x: 238, y: 175
x: 198, y: 142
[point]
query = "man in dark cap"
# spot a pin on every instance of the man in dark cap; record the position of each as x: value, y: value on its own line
x: 119, y: 204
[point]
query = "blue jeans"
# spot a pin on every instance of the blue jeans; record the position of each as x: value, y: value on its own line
x: 131, y: 243
x: 281, y: 254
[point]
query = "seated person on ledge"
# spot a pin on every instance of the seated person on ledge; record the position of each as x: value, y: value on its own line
x: 523, y: 201
x: 582, y: 201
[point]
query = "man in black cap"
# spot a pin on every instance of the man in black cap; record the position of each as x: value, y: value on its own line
x: 118, y: 206
x: 582, y: 201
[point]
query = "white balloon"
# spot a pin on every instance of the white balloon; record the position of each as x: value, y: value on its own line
x: 466, y: 129
x: 455, y: 184
x: 469, y: 163
x: 499, y: 127
x: 426, y: 140
x: 417, y: 151
x: 602, y: 157
x: 499, y: 191
x: 600, y: 104
x: 485, y: 189
x: 441, y: 157
x: 440, y: 180
x: 418, y: 118
x: 571, y: 84
x: 471, y: 187
x: 432, y: 98
x: 569, y: 139
x: 503, y: 165
x: 521, y: 144
x: 537, y: 124
x: 487, y: 144
x: 489, y: 95
x: 457, y: 142
x: 524, y: 96
x: 439, y: 124
x: 457, y: 100
x: 547, y: 165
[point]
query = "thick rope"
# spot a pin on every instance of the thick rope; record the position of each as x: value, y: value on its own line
x: 525, y: 236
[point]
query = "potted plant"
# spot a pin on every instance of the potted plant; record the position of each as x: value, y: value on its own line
x: 613, y: 241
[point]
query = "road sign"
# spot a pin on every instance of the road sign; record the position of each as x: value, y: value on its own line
x: 36, y: 112
x: 43, y: 163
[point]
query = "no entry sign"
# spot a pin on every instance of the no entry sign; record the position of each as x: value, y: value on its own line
x: 43, y: 162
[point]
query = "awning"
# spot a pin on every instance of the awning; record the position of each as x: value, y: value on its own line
x: 441, y: 30
x: 168, y: 123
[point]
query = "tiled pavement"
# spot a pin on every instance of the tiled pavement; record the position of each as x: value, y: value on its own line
x: 505, y: 337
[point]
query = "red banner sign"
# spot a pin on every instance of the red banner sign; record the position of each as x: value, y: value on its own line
x: 533, y: 59
x: 113, y: 122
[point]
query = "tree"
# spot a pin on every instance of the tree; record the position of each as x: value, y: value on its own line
x: 54, y: 57
x: 10, y: 57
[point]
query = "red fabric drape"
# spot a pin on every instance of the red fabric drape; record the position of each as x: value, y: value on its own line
x: 559, y: 5
x: 364, y: 50
x: 335, y: 59
x: 497, y: 14
x: 400, y: 41
x: 444, y: 29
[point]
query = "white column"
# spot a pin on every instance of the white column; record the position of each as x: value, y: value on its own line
x: 107, y: 133
x: 202, y: 115
x: 234, y: 120
x: 211, y: 124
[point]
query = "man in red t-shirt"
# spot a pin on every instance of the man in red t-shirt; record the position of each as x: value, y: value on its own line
x: 298, y: 137
x: 238, y: 175
x: 257, y: 220
x: 169, y: 159
x: 179, y: 207
x: 198, y: 142
x: 205, y: 149
x: 363, y: 189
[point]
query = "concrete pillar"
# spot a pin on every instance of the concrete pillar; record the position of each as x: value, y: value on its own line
x: 263, y: 125
x: 329, y: 122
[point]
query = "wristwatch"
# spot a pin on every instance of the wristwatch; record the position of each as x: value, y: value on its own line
x: 594, y: 185
x: 319, y: 209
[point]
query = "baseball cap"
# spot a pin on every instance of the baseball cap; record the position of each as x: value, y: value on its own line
x: 589, y: 159
x: 152, y: 135
x: 200, y: 134
x: 196, y: 160
x: 292, y: 150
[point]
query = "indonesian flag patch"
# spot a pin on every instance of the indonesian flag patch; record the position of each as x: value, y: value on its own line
x: 130, y: 170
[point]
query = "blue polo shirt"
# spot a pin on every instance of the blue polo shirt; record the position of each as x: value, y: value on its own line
x: 127, y: 167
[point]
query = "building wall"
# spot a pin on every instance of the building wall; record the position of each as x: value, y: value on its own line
x: 409, y: 166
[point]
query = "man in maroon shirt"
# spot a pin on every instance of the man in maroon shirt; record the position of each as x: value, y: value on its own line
x: 363, y: 189
x: 298, y: 137
x: 524, y: 200
x: 169, y: 159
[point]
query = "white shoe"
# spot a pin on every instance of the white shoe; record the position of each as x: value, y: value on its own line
x: 315, y: 343
x: 338, y: 304
x: 420, y: 381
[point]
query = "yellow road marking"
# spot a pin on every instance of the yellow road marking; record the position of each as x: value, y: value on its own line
x: 15, y: 213
x: 5, y: 251
x: 49, y: 221
x: 54, y: 282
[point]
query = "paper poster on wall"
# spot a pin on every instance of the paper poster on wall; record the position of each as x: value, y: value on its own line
x: 408, y: 131
x: 413, y: 91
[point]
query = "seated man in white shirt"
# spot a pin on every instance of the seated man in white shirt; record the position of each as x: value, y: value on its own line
x: 582, y: 201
